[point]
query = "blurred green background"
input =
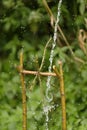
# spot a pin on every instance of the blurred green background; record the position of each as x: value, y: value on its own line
x: 25, y: 25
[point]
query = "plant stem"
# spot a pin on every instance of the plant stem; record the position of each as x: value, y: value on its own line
x: 23, y: 93
x: 42, y: 63
x: 44, y: 54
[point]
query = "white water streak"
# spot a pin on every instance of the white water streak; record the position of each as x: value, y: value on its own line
x: 50, y: 97
x: 52, y: 53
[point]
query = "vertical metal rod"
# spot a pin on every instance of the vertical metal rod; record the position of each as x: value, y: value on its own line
x: 62, y: 92
x: 24, y: 105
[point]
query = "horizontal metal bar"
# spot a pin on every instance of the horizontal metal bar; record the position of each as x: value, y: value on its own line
x: 38, y: 73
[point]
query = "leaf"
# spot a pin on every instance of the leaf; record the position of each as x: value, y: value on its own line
x: 82, y: 8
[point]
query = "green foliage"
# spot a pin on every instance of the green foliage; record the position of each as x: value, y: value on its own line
x: 26, y: 25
